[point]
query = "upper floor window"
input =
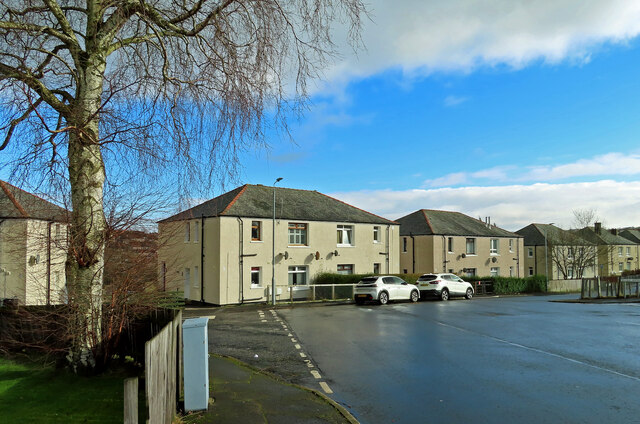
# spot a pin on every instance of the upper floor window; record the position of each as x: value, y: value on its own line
x: 471, y: 246
x: 510, y: 245
x: 530, y: 252
x: 196, y: 231
x: 187, y: 232
x: 450, y: 245
x: 404, y: 244
x: 376, y: 234
x: 628, y: 251
x: 256, y: 230
x: 297, y: 234
x: 619, y: 251
x: 570, y: 253
x: 345, y: 235
x: 494, y: 248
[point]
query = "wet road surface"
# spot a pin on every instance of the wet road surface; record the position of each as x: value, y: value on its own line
x: 489, y: 360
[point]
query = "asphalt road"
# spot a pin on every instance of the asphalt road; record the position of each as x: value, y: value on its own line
x: 488, y: 360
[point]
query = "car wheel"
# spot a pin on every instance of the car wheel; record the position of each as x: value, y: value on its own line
x: 469, y: 294
x: 383, y: 298
x: 414, y: 296
x: 444, y: 294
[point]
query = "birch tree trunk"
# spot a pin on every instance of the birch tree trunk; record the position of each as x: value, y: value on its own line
x: 87, y: 177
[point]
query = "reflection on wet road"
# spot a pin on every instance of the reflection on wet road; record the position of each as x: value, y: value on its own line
x: 490, y: 360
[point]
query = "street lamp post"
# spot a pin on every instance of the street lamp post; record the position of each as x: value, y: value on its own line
x: 273, y: 246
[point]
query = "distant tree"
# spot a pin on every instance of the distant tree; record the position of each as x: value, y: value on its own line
x: 144, y: 86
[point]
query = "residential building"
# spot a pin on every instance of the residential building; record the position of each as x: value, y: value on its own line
x: 33, y: 248
x: 556, y: 253
x: 442, y: 241
x: 615, y: 253
x: 221, y: 251
x: 632, y: 234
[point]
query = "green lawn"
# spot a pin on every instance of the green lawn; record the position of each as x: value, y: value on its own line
x: 37, y: 393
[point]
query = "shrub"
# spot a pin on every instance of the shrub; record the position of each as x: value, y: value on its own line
x: 332, y: 278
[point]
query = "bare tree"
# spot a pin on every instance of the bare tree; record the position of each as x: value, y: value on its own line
x: 571, y: 254
x: 141, y: 86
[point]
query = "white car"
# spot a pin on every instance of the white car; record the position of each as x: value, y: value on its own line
x: 383, y: 289
x: 444, y: 286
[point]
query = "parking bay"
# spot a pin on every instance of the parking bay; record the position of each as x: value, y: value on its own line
x: 512, y: 359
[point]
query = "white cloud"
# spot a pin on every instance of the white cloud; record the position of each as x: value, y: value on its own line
x: 607, y: 165
x: 511, y: 207
x: 421, y: 37
x: 451, y: 101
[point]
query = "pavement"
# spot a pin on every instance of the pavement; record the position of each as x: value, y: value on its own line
x: 257, y: 375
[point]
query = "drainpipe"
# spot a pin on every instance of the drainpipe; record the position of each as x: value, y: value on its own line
x: 49, y: 263
x: 241, y: 259
x: 444, y: 254
x: 413, y: 253
x: 202, y: 258
x: 387, y: 247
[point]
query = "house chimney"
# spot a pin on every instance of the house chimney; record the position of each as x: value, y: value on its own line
x: 597, y: 227
x: 614, y: 231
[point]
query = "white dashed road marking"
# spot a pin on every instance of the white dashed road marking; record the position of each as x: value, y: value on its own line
x: 297, y: 346
x: 326, y: 388
x: 302, y: 354
x: 294, y: 340
x: 316, y: 374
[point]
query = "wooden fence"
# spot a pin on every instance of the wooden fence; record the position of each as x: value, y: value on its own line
x: 162, y: 372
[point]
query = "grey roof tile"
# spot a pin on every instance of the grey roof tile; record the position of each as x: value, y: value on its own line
x: 256, y: 201
x: 17, y: 203
x: 435, y: 222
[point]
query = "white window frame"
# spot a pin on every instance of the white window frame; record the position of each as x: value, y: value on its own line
x: 529, y: 252
x: 471, y: 240
x: 298, y: 232
x: 376, y: 234
x: 620, y: 266
x: 628, y: 251
x: 450, y: 245
x: 196, y: 277
x: 196, y: 232
x: 510, y: 245
x: 345, y: 235
x: 620, y: 251
x: 297, y: 270
x: 530, y: 271
x: 495, y: 271
x: 255, y: 270
x: 511, y: 271
x: 494, y: 250
x: 187, y: 232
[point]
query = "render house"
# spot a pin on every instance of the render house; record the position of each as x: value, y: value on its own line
x: 33, y: 248
x: 221, y: 251
x: 442, y: 241
x: 556, y: 253
x: 633, y: 235
x: 615, y: 253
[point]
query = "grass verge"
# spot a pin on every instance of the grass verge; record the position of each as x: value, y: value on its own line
x: 36, y: 392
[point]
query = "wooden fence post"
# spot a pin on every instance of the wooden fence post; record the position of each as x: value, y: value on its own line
x: 131, y: 400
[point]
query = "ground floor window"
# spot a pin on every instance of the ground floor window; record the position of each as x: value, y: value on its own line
x: 620, y: 266
x: 376, y: 268
x: 345, y: 269
x: 530, y: 271
x: 297, y: 275
x: 628, y: 266
x: 255, y: 276
x: 495, y: 271
x: 469, y: 272
x: 510, y: 271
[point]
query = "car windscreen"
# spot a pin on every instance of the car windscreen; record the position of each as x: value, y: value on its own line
x: 427, y: 277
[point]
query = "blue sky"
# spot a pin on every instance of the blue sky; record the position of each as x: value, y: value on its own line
x: 522, y: 111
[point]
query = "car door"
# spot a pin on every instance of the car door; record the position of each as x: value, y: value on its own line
x: 403, y: 290
x: 457, y: 282
x: 452, y: 283
x: 391, y: 287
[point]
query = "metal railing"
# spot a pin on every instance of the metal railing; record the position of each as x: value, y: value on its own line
x: 610, y: 287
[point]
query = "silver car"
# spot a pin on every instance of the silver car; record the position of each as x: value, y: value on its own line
x: 444, y: 286
x: 383, y: 289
